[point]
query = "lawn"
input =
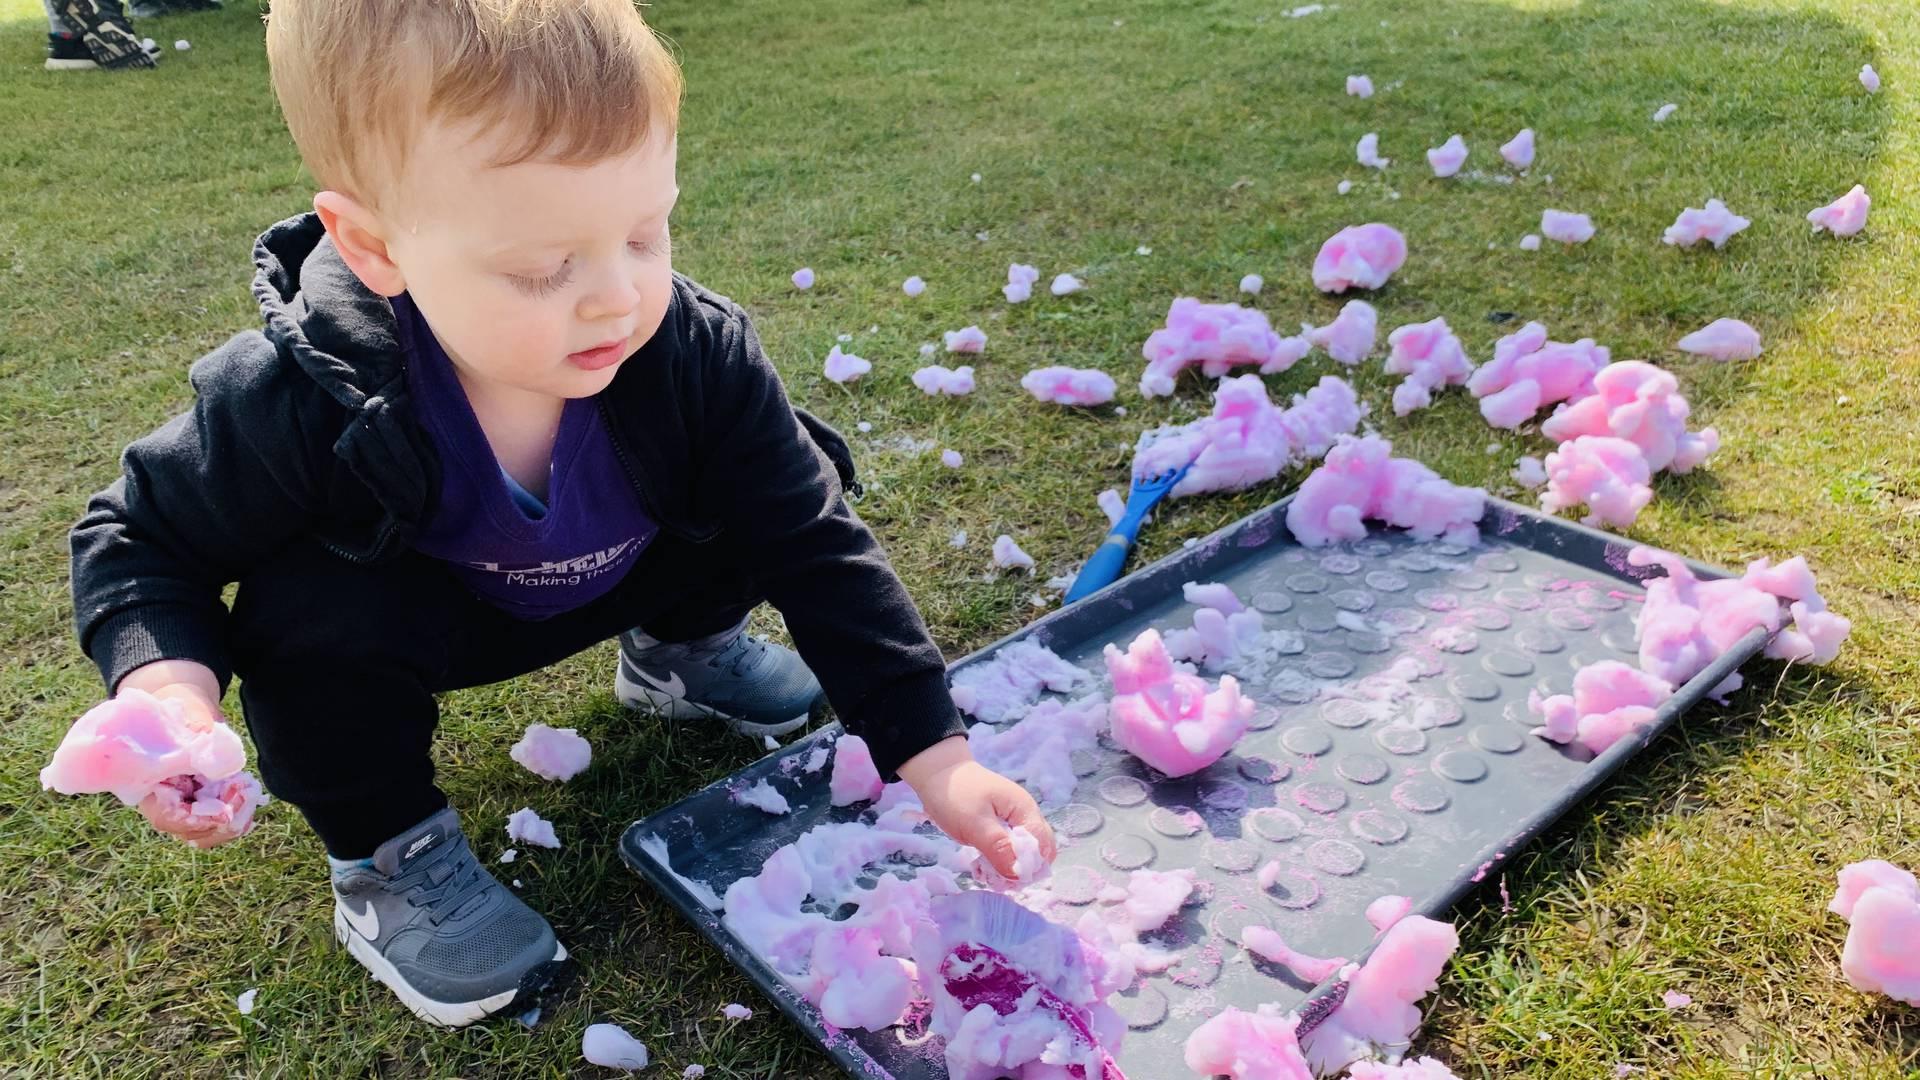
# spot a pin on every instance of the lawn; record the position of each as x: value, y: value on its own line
x: 842, y: 134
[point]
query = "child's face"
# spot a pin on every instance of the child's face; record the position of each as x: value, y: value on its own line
x: 536, y: 278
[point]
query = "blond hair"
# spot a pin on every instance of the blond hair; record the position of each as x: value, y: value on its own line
x: 566, y: 81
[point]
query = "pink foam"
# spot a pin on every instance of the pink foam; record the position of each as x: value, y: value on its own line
x: 762, y: 797
x: 1446, y: 159
x: 735, y: 1011
x: 1674, y: 999
x: 935, y: 379
x: 1069, y: 386
x: 131, y: 743
x: 1020, y: 282
x: 1112, y: 504
x: 1367, y: 152
x: 215, y: 810
x: 1430, y: 356
x: 526, y: 827
x: 862, y: 988
x: 1529, y: 472
x: 1216, y: 637
x: 1881, y: 904
x: 1425, y: 1068
x: 1528, y: 371
x: 1518, y: 151
x: 1843, y: 216
x: 1685, y: 624
x: 551, y: 753
x: 1212, y: 594
x: 1218, y: 338
x: 952, y: 459
x: 610, y: 1047
x: 1252, y: 284
x: 1248, y: 1046
x: 1270, y: 946
x: 1723, y: 339
x: 1037, y: 752
x: 1361, y: 479
x: 1350, y: 336
x: 1359, y: 256
x: 1380, y: 1009
x: 1609, y: 476
x: 1008, y: 556
x: 967, y: 339
x: 844, y: 367
x: 1566, y: 227
x: 1387, y: 910
x: 1249, y: 440
x: 1641, y: 403
x: 803, y: 278
x: 1713, y: 223
x: 1168, y: 718
x: 1610, y: 701
x: 1004, y: 687
x: 1065, y: 285
x: 854, y: 778
x: 1359, y: 86
x: 1869, y: 78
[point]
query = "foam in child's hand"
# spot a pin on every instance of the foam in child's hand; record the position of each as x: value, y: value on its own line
x: 1607, y: 475
x: 1367, y: 152
x: 1167, y: 717
x: 526, y: 827
x: 558, y: 754
x: 1566, y: 227
x: 1029, y: 863
x: 1446, y: 159
x: 1610, y: 701
x: 1431, y: 357
x: 1713, y: 223
x: 842, y: 367
x: 1218, y: 338
x: 1359, y: 256
x: 967, y: 339
x: 1361, y: 479
x: 854, y: 778
x: 1008, y: 556
x: 1518, y: 151
x: 1248, y: 1046
x: 1359, y: 86
x: 1380, y: 1009
x: 1723, y: 339
x: 935, y: 379
x: 609, y: 1046
x: 1843, y: 216
x: 763, y: 797
x: 1351, y: 334
x: 1881, y: 904
x: 1636, y: 401
x: 1069, y: 386
x: 1267, y: 943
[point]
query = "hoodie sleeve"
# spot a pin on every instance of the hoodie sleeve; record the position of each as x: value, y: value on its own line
x: 198, y: 502
x: 849, y: 614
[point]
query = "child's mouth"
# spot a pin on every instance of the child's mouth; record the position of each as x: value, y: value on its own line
x: 603, y: 356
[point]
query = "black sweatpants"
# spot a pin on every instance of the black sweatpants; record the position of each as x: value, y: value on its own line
x: 339, y: 664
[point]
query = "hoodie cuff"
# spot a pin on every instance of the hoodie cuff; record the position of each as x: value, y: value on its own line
x: 150, y: 632
x: 904, y: 718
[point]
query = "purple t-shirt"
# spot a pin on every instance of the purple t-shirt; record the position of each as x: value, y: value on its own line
x: 532, y: 564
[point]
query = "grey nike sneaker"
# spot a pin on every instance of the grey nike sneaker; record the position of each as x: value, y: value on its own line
x: 429, y: 921
x: 756, y: 687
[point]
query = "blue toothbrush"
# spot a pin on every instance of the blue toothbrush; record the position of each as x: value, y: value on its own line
x: 1103, y: 568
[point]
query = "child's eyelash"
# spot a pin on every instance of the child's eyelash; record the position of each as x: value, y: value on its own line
x: 558, y: 279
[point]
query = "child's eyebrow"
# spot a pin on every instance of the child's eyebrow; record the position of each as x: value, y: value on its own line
x: 536, y: 248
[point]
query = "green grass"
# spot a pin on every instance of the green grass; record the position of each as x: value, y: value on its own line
x: 840, y: 134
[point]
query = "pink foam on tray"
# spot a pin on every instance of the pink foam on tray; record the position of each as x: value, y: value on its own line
x: 862, y: 988
x: 1843, y: 216
x: 1037, y: 751
x: 1359, y: 256
x: 1218, y: 338
x: 1216, y: 637
x: 842, y: 367
x: 762, y: 797
x: 1249, y: 440
x: 1380, y: 1007
x: 1881, y: 903
x: 1166, y: 717
x: 1446, y: 159
x: 1069, y: 386
x: 1267, y: 943
x: 1003, y: 687
x: 1686, y: 624
x: 854, y: 778
x: 1566, y: 227
x: 1350, y: 336
x: 1528, y: 371
x: 552, y: 753
x: 1020, y: 281
x: 1610, y: 701
x: 1636, y: 401
x: 1248, y: 1046
x: 1723, y: 339
x: 935, y: 379
x: 1430, y: 355
x: 1362, y: 479
x: 1425, y: 1068
x: 1212, y: 594
x: 1518, y: 151
x: 1609, y: 476
x: 1387, y: 910
x: 1713, y: 223
x: 967, y: 339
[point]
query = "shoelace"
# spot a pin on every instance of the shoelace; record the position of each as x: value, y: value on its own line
x: 739, y: 656
x: 445, y: 883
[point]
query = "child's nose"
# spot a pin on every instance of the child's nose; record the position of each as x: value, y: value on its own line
x: 612, y: 296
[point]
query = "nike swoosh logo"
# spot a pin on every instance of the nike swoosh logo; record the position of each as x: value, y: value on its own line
x: 365, y: 923
x: 673, y: 687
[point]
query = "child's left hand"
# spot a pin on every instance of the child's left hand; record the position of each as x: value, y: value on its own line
x: 975, y: 805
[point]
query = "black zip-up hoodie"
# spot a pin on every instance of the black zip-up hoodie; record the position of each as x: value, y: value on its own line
x: 304, y: 428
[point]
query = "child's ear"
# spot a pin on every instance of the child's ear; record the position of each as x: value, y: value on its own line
x: 359, y: 235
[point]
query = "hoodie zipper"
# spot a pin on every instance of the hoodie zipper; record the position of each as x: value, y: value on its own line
x: 633, y: 476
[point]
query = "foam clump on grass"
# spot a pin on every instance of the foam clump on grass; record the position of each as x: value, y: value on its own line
x: 1359, y: 257
x: 551, y: 753
x: 1069, y: 386
x: 1881, y: 903
x: 1713, y: 224
x: 1528, y: 372
x: 1843, y: 216
x: 935, y: 379
x: 1430, y: 355
x: 1248, y: 439
x: 1607, y: 475
x: 1723, y: 339
x: 1217, y: 338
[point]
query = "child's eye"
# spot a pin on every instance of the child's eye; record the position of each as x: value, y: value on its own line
x: 653, y: 247
x: 541, y: 286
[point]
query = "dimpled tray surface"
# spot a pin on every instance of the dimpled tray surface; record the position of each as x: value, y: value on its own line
x: 1351, y: 805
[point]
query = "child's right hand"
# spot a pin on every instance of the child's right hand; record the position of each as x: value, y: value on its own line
x: 196, y: 689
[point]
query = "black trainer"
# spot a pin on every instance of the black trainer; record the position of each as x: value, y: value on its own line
x: 430, y: 922
x: 755, y: 687
x: 105, y: 33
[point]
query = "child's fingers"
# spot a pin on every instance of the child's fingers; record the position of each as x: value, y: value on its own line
x: 995, y: 844
x: 1017, y: 808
